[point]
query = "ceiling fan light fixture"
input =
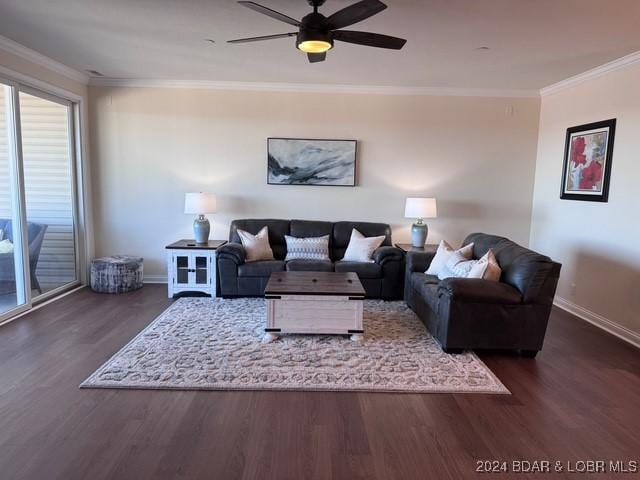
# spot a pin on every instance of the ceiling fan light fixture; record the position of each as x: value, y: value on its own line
x: 314, y: 42
x: 314, y: 46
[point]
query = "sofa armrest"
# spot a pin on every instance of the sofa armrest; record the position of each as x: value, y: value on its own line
x: 232, y: 251
x: 383, y: 255
x: 419, y: 261
x: 477, y: 290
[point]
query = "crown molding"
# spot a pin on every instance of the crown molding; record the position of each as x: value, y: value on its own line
x: 596, y: 72
x: 12, y: 75
x: 310, y: 88
x: 32, y: 56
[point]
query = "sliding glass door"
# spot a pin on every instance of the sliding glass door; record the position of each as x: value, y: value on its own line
x: 47, y: 145
x: 38, y: 192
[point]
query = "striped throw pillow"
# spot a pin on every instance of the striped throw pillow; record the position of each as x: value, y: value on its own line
x: 312, y: 248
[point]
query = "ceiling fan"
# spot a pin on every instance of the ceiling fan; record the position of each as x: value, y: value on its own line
x: 316, y: 32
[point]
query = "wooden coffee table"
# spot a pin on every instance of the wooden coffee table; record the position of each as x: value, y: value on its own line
x: 314, y: 302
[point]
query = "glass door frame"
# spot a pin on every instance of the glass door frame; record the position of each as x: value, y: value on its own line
x: 76, y: 174
x: 71, y: 129
x: 18, y: 206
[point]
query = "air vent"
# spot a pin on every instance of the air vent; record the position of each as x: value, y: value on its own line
x: 94, y: 73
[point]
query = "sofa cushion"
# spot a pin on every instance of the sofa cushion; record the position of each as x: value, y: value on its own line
x: 310, y: 228
x: 483, y: 242
x: 262, y: 268
x: 363, y: 269
x: 477, y: 290
x: 419, y: 277
x: 277, y: 230
x: 303, y: 265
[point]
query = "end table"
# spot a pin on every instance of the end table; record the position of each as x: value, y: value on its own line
x: 191, y: 267
x: 407, y: 247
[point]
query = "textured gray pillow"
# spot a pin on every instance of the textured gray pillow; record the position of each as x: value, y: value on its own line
x: 311, y: 248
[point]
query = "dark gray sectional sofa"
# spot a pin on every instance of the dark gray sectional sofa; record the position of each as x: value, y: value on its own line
x: 466, y: 313
x: 383, y: 278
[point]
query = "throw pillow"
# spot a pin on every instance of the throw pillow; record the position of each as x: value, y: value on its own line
x: 6, y: 246
x: 310, y: 248
x: 457, y: 266
x: 443, y: 254
x: 487, y: 267
x: 361, y: 248
x: 257, y: 246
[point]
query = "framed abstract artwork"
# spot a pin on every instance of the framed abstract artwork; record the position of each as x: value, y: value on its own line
x: 587, y: 161
x: 298, y: 161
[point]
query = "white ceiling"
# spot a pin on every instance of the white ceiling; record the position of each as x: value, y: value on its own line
x: 533, y: 43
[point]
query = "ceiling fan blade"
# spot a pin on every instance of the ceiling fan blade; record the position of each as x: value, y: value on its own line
x: 270, y: 13
x: 355, y: 13
x: 259, y: 39
x: 317, y: 57
x: 369, y: 39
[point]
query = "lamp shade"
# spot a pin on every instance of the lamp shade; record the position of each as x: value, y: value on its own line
x: 420, y: 208
x: 200, y: 203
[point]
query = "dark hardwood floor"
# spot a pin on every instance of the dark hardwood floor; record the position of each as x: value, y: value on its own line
x: 579, y: 400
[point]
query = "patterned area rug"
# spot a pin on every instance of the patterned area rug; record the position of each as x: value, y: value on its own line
x: 216, y: 344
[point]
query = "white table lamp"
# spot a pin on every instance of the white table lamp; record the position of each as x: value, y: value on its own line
x: 420, y: 208
x: 200, y: 204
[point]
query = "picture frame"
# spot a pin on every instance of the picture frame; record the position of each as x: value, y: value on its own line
x: 311, y: 162
x: 588, y: 155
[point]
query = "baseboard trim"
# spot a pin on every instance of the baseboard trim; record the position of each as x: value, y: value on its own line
x: 599, y: 321
x: 155, y: 279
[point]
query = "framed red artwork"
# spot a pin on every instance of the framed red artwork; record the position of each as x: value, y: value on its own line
x: 587, y: 161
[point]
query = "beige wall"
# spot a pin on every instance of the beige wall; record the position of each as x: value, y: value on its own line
x: 150, y: 146
x: 597, y: 243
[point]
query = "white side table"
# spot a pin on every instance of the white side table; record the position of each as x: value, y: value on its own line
x: 191, y: 267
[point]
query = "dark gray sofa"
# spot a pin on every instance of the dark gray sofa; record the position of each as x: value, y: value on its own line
x: 466, y: 313
x: 383, y: 278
